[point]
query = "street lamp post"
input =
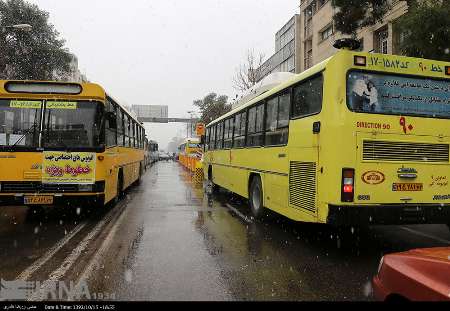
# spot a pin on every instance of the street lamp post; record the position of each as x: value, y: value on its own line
x: 3, y: 41
x: 191, y: 113
x: 22, y: 27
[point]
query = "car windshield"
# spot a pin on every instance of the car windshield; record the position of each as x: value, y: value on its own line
x: 19, y: 123
x: 72, y: 125
x: 398, y: 95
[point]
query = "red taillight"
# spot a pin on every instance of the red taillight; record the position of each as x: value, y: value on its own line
x: 348, y: 189
x: 348, y: 183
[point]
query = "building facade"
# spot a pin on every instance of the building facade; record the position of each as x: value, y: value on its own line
x: 308, y: 38
x: 287, y: 43
x: 73, y: 75
x: 318, y: 32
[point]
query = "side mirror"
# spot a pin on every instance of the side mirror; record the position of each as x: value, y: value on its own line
x: 112, y: 120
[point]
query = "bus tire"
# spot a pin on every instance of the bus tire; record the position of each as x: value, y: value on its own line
x: 120, y: 193
x: 138, y: 181
x: 256, y: 198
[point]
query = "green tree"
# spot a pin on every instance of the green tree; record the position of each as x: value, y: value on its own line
x: 212, y: 107
x: 425, y: 30
x: 352, y: 15
x: 34, y: 55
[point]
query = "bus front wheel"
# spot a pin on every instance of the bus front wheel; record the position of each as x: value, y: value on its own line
x: 256, y: 198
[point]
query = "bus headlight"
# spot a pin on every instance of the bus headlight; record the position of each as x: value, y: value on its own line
x: 85, y: 188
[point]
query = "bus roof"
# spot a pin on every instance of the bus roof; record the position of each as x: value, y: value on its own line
x: 376, y: 62
x: 298, y: 77
x: 52, y: 89
x: 88, y: 91
x: 190, y: 140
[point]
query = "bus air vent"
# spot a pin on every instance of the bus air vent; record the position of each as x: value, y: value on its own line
x: 302, y: 185
x: 375, y: 150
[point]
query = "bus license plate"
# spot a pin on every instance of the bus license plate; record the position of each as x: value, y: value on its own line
x: 38, y: 200
x: 407, y: 187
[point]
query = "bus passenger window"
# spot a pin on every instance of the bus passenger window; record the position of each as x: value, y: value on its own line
x: 212, y: 139
x: 239, y: 141
x: 256, y: 126
x: 219, y: 136
x: 207, y: 138
x: 308, y: 98
x: 111, y: 133
x: 120, y: 136
x: 277, y: 120
x: 237, y: 138
x: 228, y: 134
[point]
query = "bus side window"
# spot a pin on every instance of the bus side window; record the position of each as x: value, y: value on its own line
x: 120, y: 134
x: 228, y: 134
x: 111, y: 133
x: 126, y: 123
x: 256, y: 126
x: 236, y: 130
x: 243, y: 128
x: 207, y: 138
x: 219, y: 137
x: 277, y: 120
x: 308, y: 98
x: 134, y: 134
x: 212, y: 140
x: 251, y: 126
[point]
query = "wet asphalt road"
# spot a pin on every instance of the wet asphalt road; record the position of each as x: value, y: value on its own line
x: 168, y: 240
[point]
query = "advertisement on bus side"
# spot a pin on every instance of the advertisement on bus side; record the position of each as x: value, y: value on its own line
x: 68, y: 167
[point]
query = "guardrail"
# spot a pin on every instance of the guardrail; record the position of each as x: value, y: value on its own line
x: 193, y: 163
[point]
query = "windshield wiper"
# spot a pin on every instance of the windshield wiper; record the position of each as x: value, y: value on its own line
x: 32, y: 128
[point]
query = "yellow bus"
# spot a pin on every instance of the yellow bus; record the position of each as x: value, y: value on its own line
x: 357, y: 139
x: 190, y: 147
x: 151, y: 152
x: 65, y: 144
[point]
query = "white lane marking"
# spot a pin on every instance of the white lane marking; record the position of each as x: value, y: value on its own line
x: 426, y: 235
x: 244, y: 218
x: 56, y: 275
x: 94, y: 263
x: 26, y: 274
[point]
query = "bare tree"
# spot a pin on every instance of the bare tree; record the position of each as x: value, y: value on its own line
x: 248, y: 73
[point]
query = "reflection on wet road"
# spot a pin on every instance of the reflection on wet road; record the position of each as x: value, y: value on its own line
x: 170, y: 241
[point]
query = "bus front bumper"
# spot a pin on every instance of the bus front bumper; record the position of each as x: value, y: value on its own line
x: 75, y: 200
x: 395, y: 214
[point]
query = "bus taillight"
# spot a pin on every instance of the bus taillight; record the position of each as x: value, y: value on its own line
x: 348, y: 183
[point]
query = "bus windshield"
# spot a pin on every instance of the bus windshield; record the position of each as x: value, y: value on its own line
x: 398, y: 95
x: 72, y: 125
x: 19, y: 123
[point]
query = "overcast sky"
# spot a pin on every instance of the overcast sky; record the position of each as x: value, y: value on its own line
x: 166, y: 52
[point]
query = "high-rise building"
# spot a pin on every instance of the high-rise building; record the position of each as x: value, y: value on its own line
x: 308, y: 38
x: 287, y: 43
x: 319, y: 34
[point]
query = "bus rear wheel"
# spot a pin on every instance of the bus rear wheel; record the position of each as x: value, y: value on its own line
x: 119, y: 193
x: 256, y: 198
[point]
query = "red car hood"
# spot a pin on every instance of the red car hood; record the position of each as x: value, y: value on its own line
x: 440, y: 253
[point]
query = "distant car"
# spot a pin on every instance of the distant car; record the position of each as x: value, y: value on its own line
x: 163, y: 156
x: 415, y: 275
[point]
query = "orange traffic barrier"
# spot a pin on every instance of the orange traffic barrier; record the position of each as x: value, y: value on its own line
x: 193, y: 163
